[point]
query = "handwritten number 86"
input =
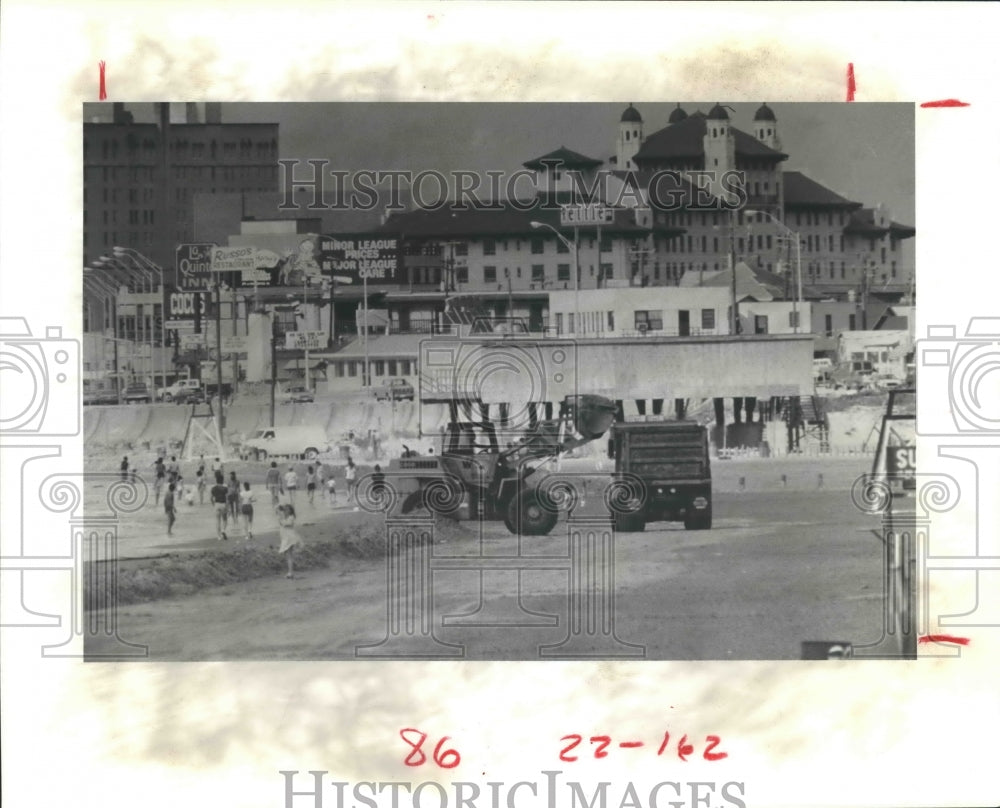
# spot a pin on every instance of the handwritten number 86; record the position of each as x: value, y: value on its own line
x: 445, y: 758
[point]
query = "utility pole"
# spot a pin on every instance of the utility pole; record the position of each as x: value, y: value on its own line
x: 218, y: 352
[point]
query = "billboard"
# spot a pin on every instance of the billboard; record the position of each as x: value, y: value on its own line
x: 359, y: 258
x: 193, y: 267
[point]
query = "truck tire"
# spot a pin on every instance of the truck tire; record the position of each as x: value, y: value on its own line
x: 698, y: 520
x: 527, y: 517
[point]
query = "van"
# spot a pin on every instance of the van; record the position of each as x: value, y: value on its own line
x: 286, y: 441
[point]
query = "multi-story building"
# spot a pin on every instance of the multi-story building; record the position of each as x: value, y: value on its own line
x: 139, y: 194
x: 140, y: 181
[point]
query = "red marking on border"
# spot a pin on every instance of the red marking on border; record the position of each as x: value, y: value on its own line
x: 851, y: 84
x: 944, y: 638
x: 945, y: 102
x: 103, y: 92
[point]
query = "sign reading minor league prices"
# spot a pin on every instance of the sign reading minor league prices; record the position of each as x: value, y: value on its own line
x: 577, y: 215
x: 305, y: 340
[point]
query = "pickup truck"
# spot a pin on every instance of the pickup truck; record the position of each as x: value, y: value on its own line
x: 394, y: 390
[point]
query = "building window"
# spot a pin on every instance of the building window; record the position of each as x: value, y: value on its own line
x: 760, y: 324
x: 793, y: 319
x: 393, y: 370
x: 380, y: 367
x: 461, y: 274
x: 607, y: 271
x: 611, y: 321
x: 537, y: 246
x: 538, y: 272
x: 649, y: 320
x: 851, y: 322
x: 489, y: 274
x: 560, y: 247
x: 562, y: 272
x: 769, y: 242
x: 489, y: 246
x: 893, y: 269
x: 462, y: 248
x: 572, y: 322
x: 843, y: 271
x: 707, y: 319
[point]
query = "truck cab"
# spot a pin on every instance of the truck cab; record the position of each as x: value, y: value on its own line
x: 671, y: 459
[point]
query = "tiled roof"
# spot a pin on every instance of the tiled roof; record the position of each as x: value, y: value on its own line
x: 564, y: 156
x: 802, y: 192
x: 683, y: 140
x: 759, y: 284
x: 897, y: 230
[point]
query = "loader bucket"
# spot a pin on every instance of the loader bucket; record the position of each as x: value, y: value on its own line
x: 592, y: 415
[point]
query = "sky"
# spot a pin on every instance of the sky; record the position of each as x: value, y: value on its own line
x: 864, y: 152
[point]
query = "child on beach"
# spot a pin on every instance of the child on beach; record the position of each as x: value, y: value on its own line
x: 168, y: 506
x: 247, y: 500
x: 291, y: 483
x: 290, y: 538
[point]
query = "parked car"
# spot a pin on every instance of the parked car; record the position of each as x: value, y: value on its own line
x: 394, y: 390
x: 180, y: 387
x: 188, y: 395
x: 137, y: 394
x: 295, y: 395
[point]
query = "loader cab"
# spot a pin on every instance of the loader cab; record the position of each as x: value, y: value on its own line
x: 469, y: 438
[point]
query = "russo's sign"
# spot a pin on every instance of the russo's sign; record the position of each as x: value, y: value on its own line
x: 361, y: 258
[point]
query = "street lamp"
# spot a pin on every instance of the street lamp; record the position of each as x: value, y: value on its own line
x: 151, y: 266
x: 576, y: 268
x: 108, y: 292
x: 798, y: 260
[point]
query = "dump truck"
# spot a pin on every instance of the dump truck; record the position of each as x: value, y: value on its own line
x: 475, y: 477
x: 668, y: 467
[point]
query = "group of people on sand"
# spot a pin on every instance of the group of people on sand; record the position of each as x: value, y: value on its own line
x: 233, y: 501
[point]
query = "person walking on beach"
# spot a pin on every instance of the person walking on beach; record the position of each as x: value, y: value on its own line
x: 168, y: 506
x: 233, y: 496
x: 217, y: 466
x: 124, y: 468
x: 273, y: 483
x: 290, y: 538
x: 219, y: 494
x: 351, y: 472
x: 291, y: 483
x: 311, y: 485
x: 159, y: 478
x: 247, y: 500
x: 202, y: 484
x: 173, y: 470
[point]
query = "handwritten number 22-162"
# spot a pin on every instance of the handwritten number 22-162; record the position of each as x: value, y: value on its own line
x: 445, y: 758
x: 602, y: 742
